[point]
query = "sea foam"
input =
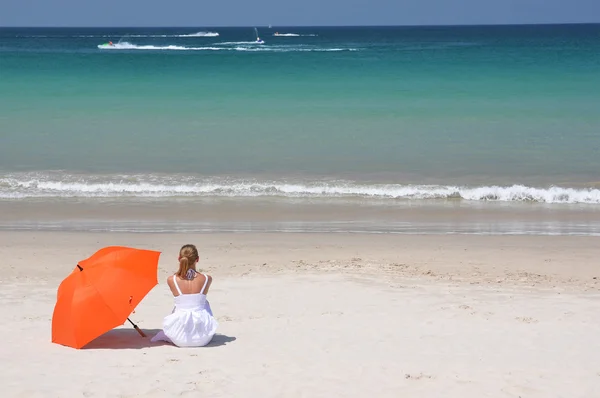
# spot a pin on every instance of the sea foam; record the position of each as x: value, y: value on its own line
x: 227, y: 46
x: 35, y: 186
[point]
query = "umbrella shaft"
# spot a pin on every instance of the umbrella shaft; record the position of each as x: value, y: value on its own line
x: 136, y: 328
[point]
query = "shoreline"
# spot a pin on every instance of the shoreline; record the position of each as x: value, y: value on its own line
x: 382, y: 186
x: 260, y: 215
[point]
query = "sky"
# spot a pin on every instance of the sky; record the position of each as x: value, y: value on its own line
x: 198, y: 13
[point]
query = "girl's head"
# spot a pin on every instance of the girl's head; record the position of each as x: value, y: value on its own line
x: 188, y: 258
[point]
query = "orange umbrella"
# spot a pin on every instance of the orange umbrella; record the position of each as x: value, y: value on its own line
x: 101, y: 292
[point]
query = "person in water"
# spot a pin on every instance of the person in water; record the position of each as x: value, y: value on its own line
x: 191, y: 324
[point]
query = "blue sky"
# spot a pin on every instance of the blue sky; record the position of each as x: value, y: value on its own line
x: 284, y: 12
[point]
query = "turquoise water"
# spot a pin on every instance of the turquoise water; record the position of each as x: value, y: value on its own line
x: 371, y: 112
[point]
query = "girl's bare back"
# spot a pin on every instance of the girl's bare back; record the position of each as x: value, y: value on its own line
x: 189, y: 286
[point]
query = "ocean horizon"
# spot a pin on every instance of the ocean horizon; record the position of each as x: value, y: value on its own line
x: 477, y: 25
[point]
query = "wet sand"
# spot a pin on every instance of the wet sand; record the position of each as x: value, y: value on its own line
x: 301, y: 215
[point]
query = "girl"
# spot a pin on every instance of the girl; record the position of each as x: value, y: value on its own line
x: 191, y: 324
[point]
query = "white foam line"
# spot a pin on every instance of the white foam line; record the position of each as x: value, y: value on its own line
x: 25, y: 186
x: 255, y: 48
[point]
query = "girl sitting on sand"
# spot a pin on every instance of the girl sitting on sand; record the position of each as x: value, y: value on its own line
x: 191, y: 324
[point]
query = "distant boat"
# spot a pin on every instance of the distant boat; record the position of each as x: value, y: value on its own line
x: 106, y: 45
x: 110, y: 44
x: 258, y: 40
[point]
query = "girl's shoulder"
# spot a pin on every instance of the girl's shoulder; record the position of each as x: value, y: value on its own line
x: 206, y: 281
x: 170, y: 280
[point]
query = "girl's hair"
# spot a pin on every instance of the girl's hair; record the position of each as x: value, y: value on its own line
x: 188, y: 255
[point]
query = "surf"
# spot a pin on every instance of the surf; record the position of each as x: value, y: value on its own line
x: 49, y: 186
x: 245, y: 46
x: 277, y: 34
x: 171, y: 47
x: 200, y: 34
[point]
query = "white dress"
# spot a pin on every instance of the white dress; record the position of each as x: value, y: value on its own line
x: 191, y: 324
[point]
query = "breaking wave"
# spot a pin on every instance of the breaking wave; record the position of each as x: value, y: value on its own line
x: 129, y: 46
x: 197, y: 34
x: 31, y: 185
x: 293, y: 35
x: 200, y: 34
x: 227, y: 46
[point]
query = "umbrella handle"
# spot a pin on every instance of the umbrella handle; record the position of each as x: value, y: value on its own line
x: 139, y: 331
x: 136, y: 328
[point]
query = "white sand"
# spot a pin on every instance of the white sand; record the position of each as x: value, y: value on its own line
x: 323, y: 316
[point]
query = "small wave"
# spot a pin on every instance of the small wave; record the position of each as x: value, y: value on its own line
x: 201, y: 34
x: 233, y: 43
x: 60, y: 36
x: 293, y: 35
x: 196, y: 34
x: 129, y: 46
x: 291, y: 49
x: 34, y: 186
x: 247, y: 48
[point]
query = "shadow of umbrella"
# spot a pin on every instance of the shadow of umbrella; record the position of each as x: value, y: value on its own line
x: 129, y: 339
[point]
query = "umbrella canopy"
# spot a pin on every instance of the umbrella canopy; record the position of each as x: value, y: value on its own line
x: 101, y: 293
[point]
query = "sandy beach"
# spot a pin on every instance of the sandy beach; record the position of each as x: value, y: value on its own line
x: 388, y: 207
x: 323, y: 315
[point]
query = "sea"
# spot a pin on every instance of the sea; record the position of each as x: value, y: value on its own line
x: 428, y: 130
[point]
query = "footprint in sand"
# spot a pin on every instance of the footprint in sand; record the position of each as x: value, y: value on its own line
x: 526, y: 319
x: 418, y: 376
x: 518, y: 391
x: 338, y: 313
x: 466, y: 307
